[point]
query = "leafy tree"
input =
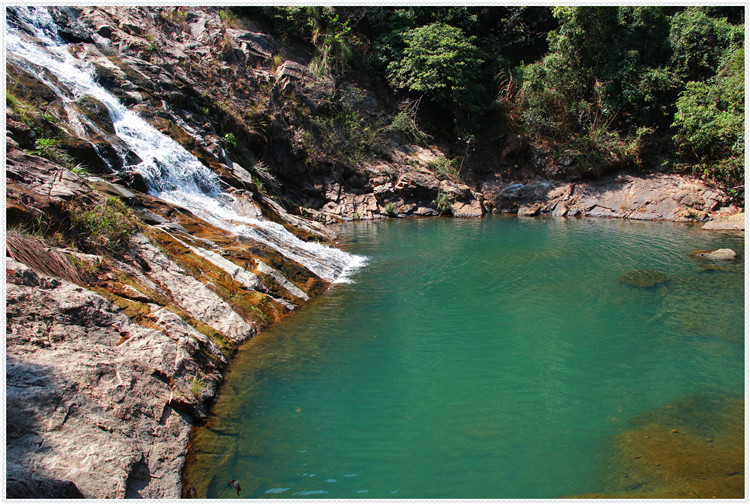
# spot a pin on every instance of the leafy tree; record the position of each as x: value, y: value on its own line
x: 710, y: 121
x: 612, y: 63
x: 441, y: 62
x: 602, y: 87
x: 698, y: 42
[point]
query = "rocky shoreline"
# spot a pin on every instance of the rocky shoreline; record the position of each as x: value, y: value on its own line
x: 113, y: 356
x: 82, y: 367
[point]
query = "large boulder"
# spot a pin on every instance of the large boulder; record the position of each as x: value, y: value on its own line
x: 91, y: 411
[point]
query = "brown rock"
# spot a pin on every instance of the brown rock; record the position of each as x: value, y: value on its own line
x: 734, y: 222
x: 471, y: 209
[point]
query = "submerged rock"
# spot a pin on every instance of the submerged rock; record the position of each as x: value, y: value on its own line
x: 692, y: 448
x: 644, y: 278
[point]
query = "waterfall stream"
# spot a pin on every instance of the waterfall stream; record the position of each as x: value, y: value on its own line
x: 172, y: 173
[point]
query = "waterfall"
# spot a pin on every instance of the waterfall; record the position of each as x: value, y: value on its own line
x: 172, y: 173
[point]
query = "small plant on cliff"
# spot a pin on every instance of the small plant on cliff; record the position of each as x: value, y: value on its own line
x: 106, y: 226
x: 405, y: 121
x: 196, y: 386
x: 442, y: 202
x: 80, y: 170
x: 174, y: 15
x: 390, y: 209
x: 45, y: 146
x: 445, y: 169
x: 49, y: 148
x: 230, y: 140
x: 22, y: 109
x: 153, y: 45
x: 230, y: 19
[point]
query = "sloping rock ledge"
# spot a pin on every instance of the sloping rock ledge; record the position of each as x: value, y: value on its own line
x: 659, y: 196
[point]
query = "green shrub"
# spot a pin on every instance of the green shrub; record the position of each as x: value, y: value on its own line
x: 443, y: 203
x: 49, y: 148
x: 229, y: 18
x: 710, y: 122
x: 196, y: 386
x: 107, y: 226
x: 44, y: 147
x: 390, y: 209
x: 339, y: 131
x: 445, y: 169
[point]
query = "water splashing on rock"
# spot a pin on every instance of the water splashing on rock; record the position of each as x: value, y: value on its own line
x: 170, y: 172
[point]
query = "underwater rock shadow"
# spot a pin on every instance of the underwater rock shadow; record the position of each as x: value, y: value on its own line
x: 692, y: 448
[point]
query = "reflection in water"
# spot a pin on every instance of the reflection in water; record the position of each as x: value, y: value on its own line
x: 471, y: 357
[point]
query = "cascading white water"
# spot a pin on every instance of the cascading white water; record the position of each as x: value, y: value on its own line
x: 171, y: 172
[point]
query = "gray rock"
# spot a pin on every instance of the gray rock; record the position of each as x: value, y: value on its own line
x: 717, y: 255
x: 87, y: 412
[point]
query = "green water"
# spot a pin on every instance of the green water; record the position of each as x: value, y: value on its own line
x: 490, y: 358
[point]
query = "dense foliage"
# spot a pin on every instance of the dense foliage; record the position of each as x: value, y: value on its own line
x: 598, y: 86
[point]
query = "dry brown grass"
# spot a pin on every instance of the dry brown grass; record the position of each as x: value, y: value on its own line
x: 34, y: 253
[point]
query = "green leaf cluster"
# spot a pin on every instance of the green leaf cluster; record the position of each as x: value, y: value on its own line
x: 612, y: 73
x: 107, y: 226
x: 710, y: 121
x: 439, y: 61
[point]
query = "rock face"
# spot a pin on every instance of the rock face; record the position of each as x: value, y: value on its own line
x: 90, y: 413
x: 642, y: 197
x: 734, y: 222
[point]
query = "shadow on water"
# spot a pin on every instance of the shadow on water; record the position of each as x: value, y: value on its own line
x: 692, y: 448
